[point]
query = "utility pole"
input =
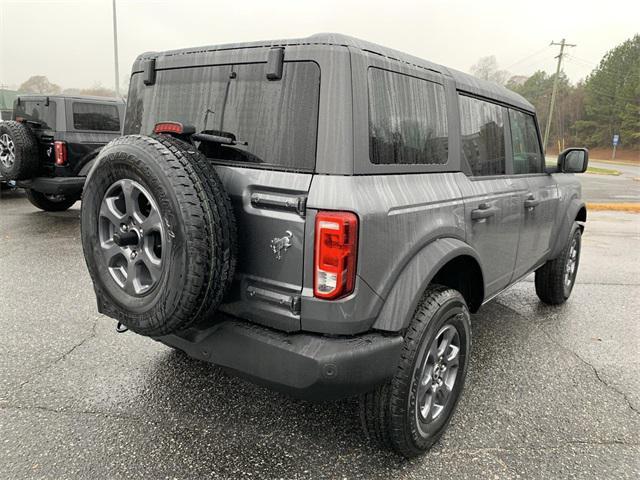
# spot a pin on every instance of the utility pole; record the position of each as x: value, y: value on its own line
x: 562, y: 44
x: 115, y: 48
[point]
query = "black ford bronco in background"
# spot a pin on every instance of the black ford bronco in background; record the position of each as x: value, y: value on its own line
x: 322, y: 215
x: 52, y: 142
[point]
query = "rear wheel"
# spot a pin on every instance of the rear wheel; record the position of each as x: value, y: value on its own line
x: 18, y: 151
x: 412, y: 411
x: 556, y: 278
x: 51, y: 202
x: 157, y: 233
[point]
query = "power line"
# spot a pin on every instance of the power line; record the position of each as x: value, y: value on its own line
x: 527, y: 57
x: 584, y: 60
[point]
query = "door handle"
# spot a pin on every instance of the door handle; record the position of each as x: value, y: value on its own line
x: 484, y: 210
x: 531, y: 202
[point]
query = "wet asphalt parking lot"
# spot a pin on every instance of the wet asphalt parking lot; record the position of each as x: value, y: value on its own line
x: 551, y: 392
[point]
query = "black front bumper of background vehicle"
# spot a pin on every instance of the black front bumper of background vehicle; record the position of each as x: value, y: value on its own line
x: 308, y: 366
x: 54, y: 185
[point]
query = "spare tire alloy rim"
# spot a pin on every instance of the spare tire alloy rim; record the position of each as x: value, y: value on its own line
x: 437, y: 375
x: 7, y: 151
x: 572, y: 263
x: 132, y: 237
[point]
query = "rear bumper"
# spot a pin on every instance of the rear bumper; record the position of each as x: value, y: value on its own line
x: 54, y: 185
x: 304, y: 365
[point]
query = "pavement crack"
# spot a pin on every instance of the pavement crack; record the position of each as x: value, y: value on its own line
x: 91, y: 335
x: 593, y: 368
x: 595, y: 371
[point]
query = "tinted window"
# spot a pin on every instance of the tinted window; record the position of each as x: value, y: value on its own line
x: 527, y: 157
x: 407, y: 120
x: 278, y: 119
x: 95, y: 116
x: 37, y: 111
x: 482, y: 132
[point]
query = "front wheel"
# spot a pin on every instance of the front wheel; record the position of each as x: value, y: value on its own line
x: 51, y: 202
x: 411, y: 412
x: 556, y: 278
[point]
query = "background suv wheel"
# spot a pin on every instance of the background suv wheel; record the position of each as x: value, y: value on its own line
x: 50, y: 202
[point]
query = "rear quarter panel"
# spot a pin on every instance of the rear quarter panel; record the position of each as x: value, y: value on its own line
x: 398, y: 215
x: 82, y: 147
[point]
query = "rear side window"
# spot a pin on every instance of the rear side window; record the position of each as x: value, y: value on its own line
x: 482, y: 133
x: 407, y: 120
x: 37, y: 111
x: 95, y: 116
x: 527, y: 156
x: 277, y: 119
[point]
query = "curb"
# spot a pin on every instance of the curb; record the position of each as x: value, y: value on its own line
x: 614, y: 207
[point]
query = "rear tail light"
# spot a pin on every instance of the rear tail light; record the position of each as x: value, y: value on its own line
x: 336, y: 245
x: 174, y: 128
x: 60, y: 149
x: 168, y: 127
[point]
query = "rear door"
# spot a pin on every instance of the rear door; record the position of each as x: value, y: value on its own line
x: 268, y: 179
x: 541, y: 198
x: 493, y: 205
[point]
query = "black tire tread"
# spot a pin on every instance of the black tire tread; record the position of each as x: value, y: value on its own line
x: 549, y: 279
x: 221, y: 211
x: 382, y: 410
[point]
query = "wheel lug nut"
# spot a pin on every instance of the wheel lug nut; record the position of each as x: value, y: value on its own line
x: 133, y: 255
x: 124, y: 227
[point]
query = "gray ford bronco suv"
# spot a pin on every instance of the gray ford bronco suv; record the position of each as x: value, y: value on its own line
x: 322, y: 215
x: 52, y: 142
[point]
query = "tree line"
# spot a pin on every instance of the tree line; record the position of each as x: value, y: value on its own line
x: 590, y: 111
x: 42, y: 85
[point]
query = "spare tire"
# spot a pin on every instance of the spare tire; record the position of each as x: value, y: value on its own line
x: 18, y: 151
x: 158, y: 234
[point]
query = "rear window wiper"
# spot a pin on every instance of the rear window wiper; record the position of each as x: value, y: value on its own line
x: 211, y: 141
x: 218, y: 136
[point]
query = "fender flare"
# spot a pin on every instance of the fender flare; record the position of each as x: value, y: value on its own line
x: 409, y: 286
x: 566, y: 222
x: 86, y: 164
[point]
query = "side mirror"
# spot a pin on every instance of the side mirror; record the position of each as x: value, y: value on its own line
x: 573, y: 160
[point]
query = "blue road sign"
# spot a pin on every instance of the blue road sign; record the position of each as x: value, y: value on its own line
x: 616, y: 140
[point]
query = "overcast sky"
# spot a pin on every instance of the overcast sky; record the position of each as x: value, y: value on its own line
x: 71, y: 41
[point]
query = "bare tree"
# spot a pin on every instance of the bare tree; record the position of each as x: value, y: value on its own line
x: 487, y: 68
x: 98, y: 91
x: 39, y: 84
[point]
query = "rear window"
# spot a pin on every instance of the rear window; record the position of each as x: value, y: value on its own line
x: 95, y: 116
x: 37, y: 111
x: 277, y: 119
x: 482, y: 133
x: 407, y: 120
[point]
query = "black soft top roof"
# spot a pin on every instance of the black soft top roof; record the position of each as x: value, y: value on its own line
x: 464, y: 82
